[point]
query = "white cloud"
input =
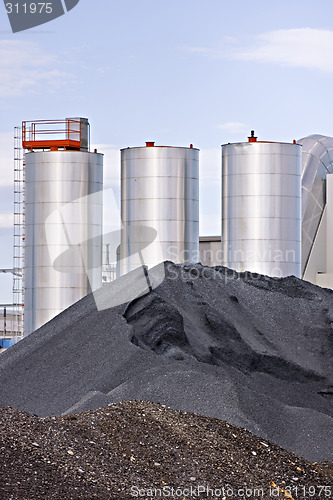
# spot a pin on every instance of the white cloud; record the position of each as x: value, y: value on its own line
x: 25, y: 65
x: 234, y: 127
x: 301, y: 47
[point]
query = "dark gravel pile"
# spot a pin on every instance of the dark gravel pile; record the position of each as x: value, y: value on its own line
x: 254, y: 351
x: 131, y: 449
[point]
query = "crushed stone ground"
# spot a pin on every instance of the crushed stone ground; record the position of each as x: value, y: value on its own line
x: 145, y: 450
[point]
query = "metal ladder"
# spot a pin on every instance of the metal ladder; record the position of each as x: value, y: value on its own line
x: 19, y: 234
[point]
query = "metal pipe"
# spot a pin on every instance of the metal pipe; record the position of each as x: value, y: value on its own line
x: 317, y: 152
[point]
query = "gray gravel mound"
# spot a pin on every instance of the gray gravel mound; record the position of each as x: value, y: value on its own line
x: 254, y: 351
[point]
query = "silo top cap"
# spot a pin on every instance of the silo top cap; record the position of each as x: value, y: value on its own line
x: 252, y: 138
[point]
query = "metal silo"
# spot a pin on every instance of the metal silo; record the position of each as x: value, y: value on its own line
x: 261, y: 207
x: 159, y: 205
x: 63, y: 206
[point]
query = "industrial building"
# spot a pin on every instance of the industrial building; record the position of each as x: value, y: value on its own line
x: 8, y: 326
x: 277, y: 213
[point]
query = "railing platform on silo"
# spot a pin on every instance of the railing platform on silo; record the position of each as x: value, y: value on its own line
x: 52, y: 134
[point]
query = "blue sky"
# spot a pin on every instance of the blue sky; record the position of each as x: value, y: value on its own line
x: 175, y: 72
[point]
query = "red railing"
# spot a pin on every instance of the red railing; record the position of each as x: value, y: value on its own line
x: 51, y: 134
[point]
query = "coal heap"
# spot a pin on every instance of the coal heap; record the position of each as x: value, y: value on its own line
x: 253, y: 351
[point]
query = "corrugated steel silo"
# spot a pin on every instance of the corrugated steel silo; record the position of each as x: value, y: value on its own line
x: 261, y: 207
x: 159, y: 205
x: 63, y: 205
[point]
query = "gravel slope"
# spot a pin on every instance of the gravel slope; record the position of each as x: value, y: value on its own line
x: 251, y: 350
x: 129, y: 449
